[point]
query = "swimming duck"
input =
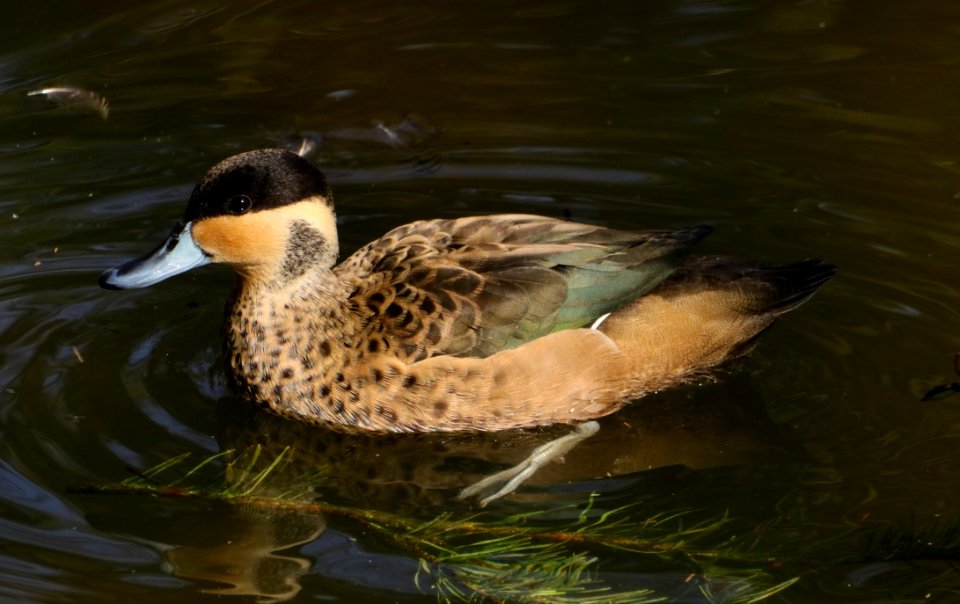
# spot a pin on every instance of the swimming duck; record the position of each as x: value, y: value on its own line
x: 467, y: 324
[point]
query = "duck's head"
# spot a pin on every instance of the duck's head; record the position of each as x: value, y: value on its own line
x: 268, y: 214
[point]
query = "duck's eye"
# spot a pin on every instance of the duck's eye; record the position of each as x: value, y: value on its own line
x: 238, y: 204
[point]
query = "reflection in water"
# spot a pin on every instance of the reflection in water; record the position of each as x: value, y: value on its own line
x: 420, y: 473
x: 246, y: 560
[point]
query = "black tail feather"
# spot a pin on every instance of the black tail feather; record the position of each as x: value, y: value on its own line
x: 794, y: 283
x: 776, y: 289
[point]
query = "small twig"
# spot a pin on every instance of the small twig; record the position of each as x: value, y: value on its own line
x: 133, y: 471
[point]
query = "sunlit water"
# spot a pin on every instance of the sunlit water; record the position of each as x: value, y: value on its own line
x: 800, y: 129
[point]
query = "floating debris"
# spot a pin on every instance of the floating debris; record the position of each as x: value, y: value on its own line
x: 408, y: 132
x: 941, y: 392
x: 305, y: 143
x: 69, y: 97
x: 310, y: 142
x: 338, y: 95
x: 76, y: 353
x: 945, y: 390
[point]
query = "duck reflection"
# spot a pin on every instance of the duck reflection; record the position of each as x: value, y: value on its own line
x: 696, y: 427
x: 248, y: 562
x: 420, y: 474
x: 235, y: 550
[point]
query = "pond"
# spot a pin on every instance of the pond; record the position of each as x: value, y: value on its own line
x: 811, y: 471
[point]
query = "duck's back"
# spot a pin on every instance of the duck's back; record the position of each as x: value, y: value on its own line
x: 475, y: 286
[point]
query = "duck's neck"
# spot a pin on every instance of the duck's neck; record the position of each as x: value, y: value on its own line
x: 279, y: 334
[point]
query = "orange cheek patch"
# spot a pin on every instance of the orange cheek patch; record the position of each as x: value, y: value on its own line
x: 240, y: 241
x: 254, y: 244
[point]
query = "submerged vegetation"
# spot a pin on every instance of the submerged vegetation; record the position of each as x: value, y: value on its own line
x: 543, y: 556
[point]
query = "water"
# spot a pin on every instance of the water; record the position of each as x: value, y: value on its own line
x: 800, y: 129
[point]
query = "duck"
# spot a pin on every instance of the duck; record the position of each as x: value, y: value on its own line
x: 465, y: 324
x: 469, y: 324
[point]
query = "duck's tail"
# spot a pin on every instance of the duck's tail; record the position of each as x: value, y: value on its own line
x: 711, y: 310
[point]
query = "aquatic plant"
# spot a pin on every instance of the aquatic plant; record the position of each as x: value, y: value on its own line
x: 542, y: 556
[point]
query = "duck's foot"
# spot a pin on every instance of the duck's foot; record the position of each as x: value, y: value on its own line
x: 514, y: 477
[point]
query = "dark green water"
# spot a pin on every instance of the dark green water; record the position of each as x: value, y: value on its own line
x: 803, y: 129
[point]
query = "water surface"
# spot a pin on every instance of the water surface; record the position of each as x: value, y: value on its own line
x: 799, y: 129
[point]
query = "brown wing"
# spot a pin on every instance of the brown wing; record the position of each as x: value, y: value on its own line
x: 474, y: 286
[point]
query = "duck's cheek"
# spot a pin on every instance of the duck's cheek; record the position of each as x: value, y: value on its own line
x: 239, y: 241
